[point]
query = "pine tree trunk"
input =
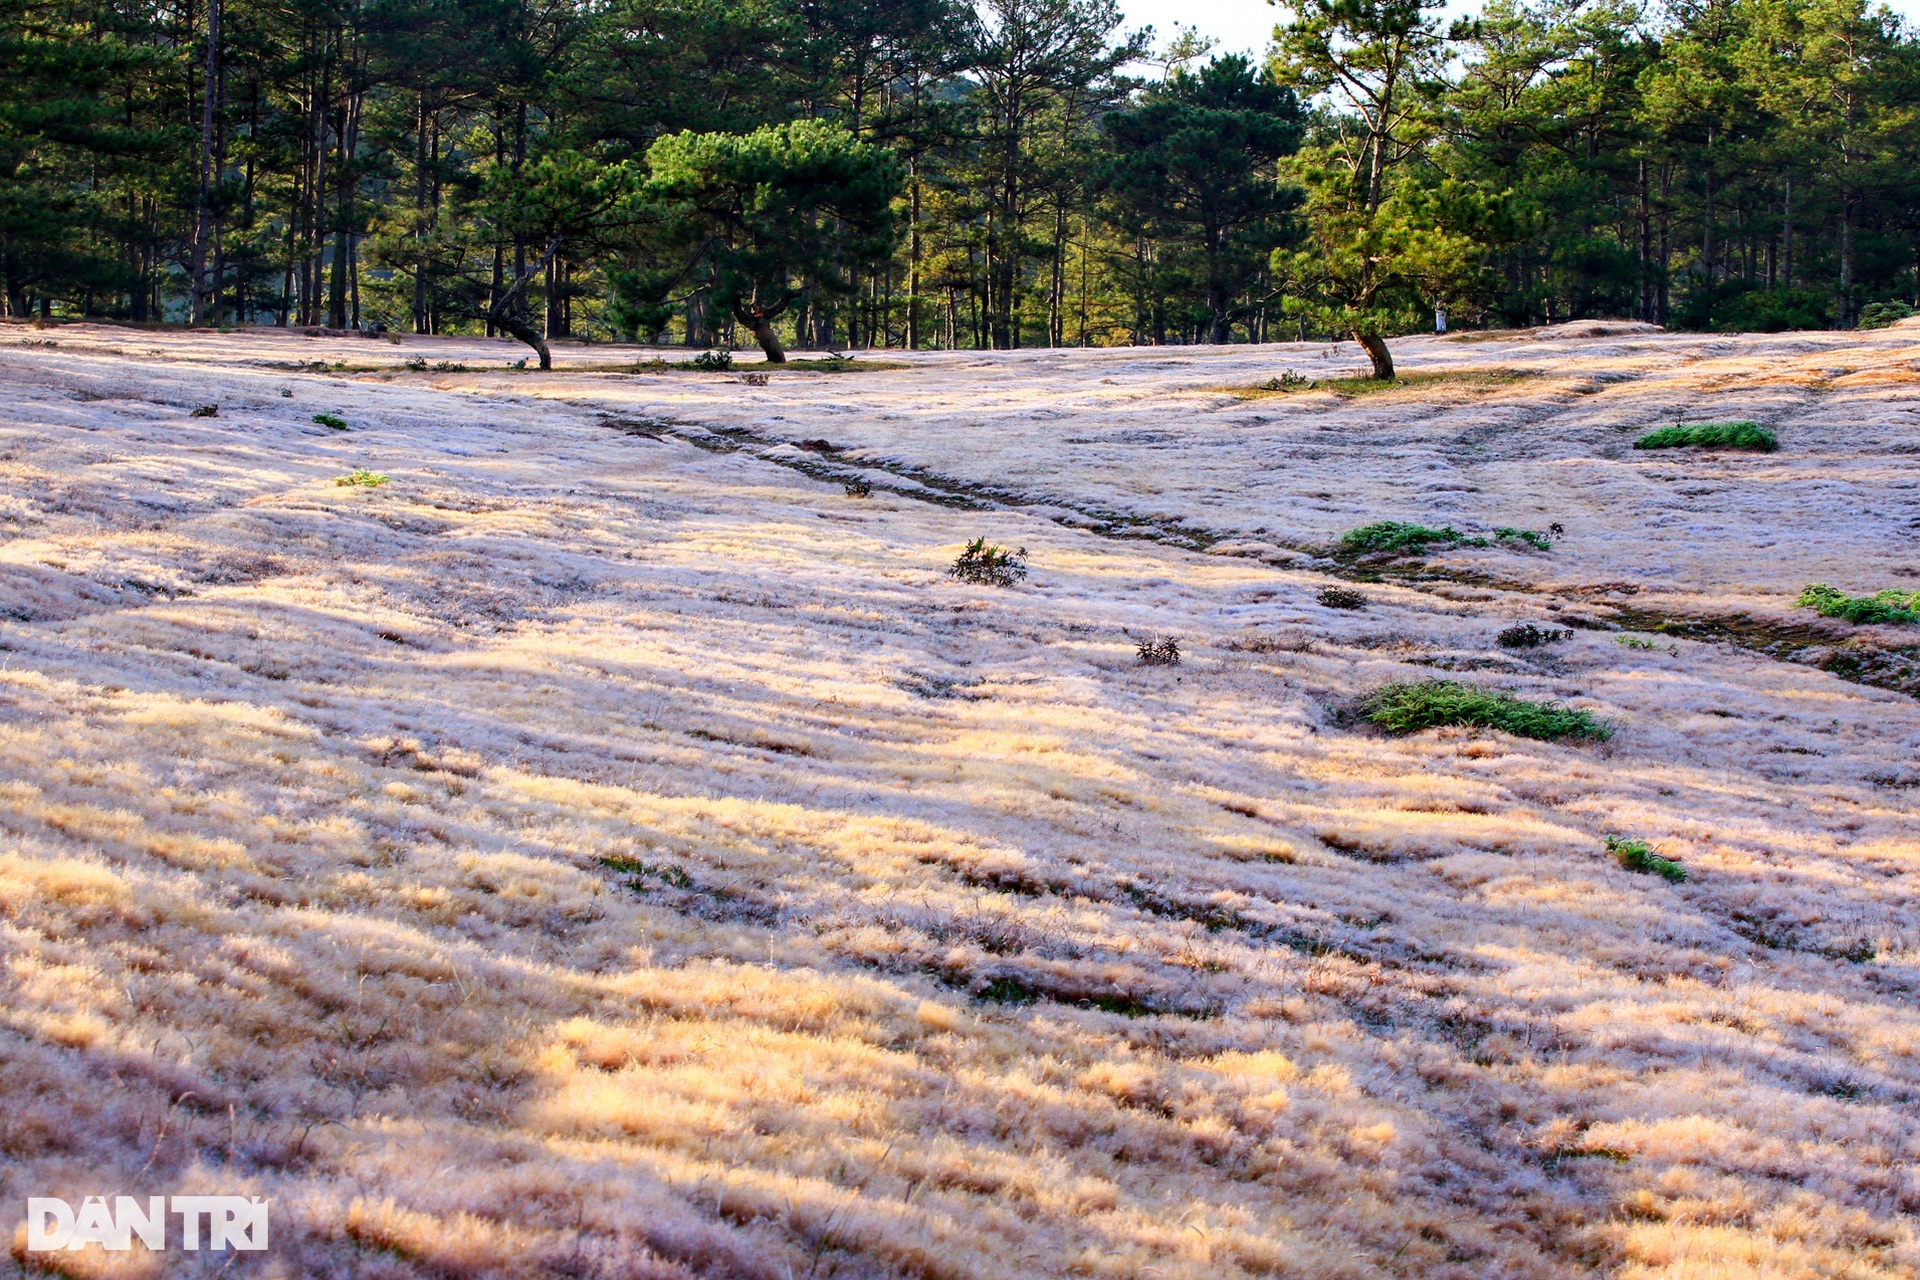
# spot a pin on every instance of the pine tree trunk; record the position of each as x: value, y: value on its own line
x: 1376, y: 349
x: 764, y: 335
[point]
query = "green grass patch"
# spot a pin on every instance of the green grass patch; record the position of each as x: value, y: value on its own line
x: 1431, y: 704
x: 1882, y: 606
x: 1538, y: 541
x: 1634, y: 855
x: 365, y: 479
x: 334, y: 421
x: 1710, y: 435
x: 1392, y: 535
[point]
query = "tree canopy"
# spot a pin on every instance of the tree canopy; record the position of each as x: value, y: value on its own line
x: 919, y: 173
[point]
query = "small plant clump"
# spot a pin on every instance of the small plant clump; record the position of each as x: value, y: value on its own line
x: 1634, y: 855
x: 1882, y: 606
x: 712, y: 361
x: 333, y: 421
x: 362, y: 477
x: 989, y: 566
x: 1159, y: 653
x: 1341, y: 598
x: 1393, y: 535
x: 418, y: 364
x: 1711, y: 435
x: 859, y: 489
x: 1538, y: 541
x: 1432, y: 704
x: 1527, y: 636
x: 1288, y: 381
x: 206, y: 411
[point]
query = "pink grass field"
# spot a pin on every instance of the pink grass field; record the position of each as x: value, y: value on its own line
x: 608, y: 848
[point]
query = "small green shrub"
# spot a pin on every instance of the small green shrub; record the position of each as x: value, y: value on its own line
x: 1430, y: 704
x: 1634, y: 855
x: 418, y: 364
x: 1878, y: 315
x: 331, y: 420
x: 1341, y: 598
x: 1711, y: 435
x: 1882, y: 606
x: 1159, y: 653
x: 712, y: 361
x: 989, y: 566
x: 363, y: 478
x: 1538, y: 541
x: 1288, y: 381
x: 1392, y: 535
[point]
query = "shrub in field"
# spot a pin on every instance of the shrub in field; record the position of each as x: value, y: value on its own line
x: 859, y: 489
x: 365, y: 479
x: 1882, y: 606
x: 1392, y: 535
x: 1527, y: 636
x: 1341, y: 598
x: 1634, y: 855
x: 206, y: 411
x: 1711, y: 435
x: 1878, y: 315
x: 712, y: 361
x: 1538, y: 541
x: 1160, y: 653
x: 331, y: 420
x: 1430, y: 704
x: 418, y: 364
x: 989, y: 566
x: 1288, y: 381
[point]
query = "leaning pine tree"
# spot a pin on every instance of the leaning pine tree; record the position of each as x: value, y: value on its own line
x: 1373, y: 270
x: 1382, y: 244
x: 764, y: 219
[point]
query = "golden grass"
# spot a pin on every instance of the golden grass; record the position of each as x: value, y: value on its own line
x: 569, y: 860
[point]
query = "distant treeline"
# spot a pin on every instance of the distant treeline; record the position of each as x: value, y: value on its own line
x: 931, y: 173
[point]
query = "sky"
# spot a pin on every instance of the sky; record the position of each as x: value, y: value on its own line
x: 1242, y: 26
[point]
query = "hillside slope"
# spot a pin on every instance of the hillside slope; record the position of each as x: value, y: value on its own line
x: 610, y: 848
